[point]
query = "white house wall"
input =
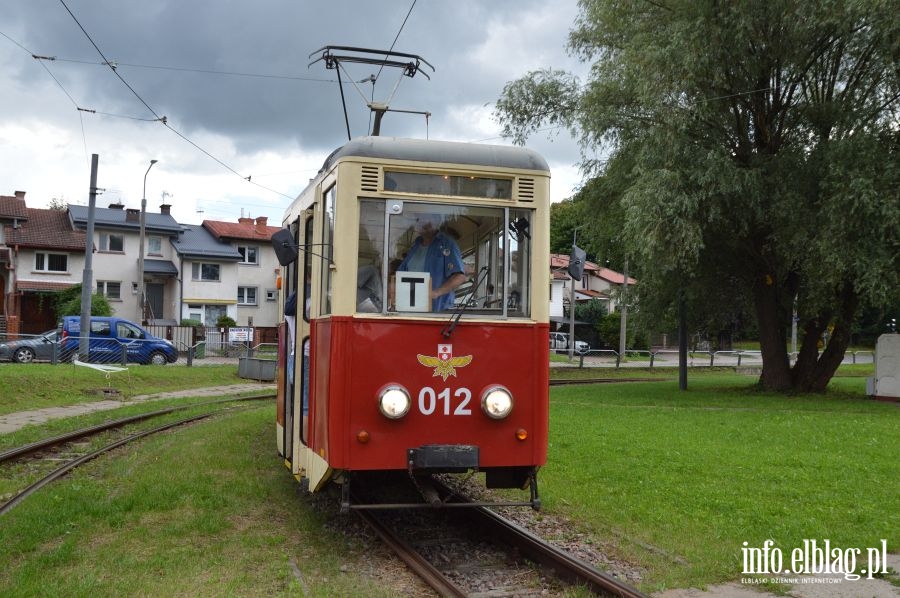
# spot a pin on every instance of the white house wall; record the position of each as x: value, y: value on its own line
x: 262, y: 277
x: 119, y: 267
x: 207, y: 292
x: 25, y: 271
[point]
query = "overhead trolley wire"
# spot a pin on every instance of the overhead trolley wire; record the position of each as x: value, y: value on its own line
x: 116, y: 64
x: 162, y: 119
x: 61, y: 86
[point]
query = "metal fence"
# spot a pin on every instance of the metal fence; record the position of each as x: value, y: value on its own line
x: 181, y: 349
x: 669, y: 358
x: 213, y: 347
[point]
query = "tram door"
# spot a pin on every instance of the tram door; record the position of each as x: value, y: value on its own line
x: 296, y: 317
x: 303, y: 380
x: 286, y: 405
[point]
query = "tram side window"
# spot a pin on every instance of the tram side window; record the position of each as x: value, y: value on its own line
x: 328, y: 208
x: 519, y: 236
x: 370, y: 265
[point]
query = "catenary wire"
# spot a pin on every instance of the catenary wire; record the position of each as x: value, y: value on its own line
x: 163, y: 119
x: 61, y: 86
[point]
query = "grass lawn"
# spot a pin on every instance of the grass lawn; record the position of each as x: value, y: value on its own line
x: 671, y: 481
x: 677, y: 481
x: 202, y: 511
x: 39, y: 385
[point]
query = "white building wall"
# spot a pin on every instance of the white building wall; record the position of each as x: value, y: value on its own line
x: 558, y: 290
x: 121, y: 267
x: 221, y: 294
x: 24, y: 262
x: 260, y: 276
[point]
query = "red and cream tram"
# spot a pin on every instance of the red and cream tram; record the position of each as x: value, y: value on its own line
x: 415, y: 298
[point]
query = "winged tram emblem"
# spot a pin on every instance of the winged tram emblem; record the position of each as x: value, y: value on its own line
x: 444, y: 363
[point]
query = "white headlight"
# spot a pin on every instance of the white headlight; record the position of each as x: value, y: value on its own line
x: 496, y: 402
x: 393, y: 401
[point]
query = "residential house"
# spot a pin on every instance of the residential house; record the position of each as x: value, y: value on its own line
x: 12, y: 213
x: 258, y: 268
x: 40, y: 255
x: 209, y: 278
x: 597, y: 282
x: 117, y: 242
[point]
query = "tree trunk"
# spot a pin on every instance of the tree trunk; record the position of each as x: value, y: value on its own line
x: 804, y: 370
x: 816, y: 379
x: 776, y: 371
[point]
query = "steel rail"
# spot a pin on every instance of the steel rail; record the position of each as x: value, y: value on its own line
x: 21, y: 451
x: 63, y: 470
x: 565, y: 565
x: 421, y: 567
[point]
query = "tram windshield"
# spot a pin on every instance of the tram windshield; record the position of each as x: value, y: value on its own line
x: 421, y: 258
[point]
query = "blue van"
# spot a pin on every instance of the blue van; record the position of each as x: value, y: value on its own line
x: 114, y: 340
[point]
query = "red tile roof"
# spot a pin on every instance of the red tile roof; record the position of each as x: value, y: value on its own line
x: 46, y: 228
x: 558, y: 260
x: 12, y: 207
x: 246, y: 229
x: 595, y: 294
x: 614, y: 277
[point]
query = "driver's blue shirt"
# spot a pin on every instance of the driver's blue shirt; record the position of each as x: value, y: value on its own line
x: 442, y: 260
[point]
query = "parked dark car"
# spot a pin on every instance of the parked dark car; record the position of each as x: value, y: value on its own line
x: 110, y: 337
x: 33, y: 348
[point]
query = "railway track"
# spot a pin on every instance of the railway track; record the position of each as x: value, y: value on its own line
x: 566, y: 382
x: 53, y: 445
x: 477, y: 553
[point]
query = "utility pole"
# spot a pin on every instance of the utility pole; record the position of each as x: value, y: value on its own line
x: 140, y: 318
x: 682, y: 341
x: 623, y: 311
x: 88, y: 274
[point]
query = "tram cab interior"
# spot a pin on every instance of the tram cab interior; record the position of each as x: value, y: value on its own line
x: 493, y: 286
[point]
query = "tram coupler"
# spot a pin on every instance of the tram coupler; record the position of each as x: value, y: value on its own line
x: 345, y: 497
x: 535, y: 499
x: 427, y: 490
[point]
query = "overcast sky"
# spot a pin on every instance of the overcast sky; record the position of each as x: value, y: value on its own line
x: 272, y: 117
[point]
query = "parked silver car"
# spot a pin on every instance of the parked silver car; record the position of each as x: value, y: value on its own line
x: 559, y: 341
x: 26, y: 350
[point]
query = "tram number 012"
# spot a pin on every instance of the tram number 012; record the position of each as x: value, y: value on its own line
x: 430, y: 400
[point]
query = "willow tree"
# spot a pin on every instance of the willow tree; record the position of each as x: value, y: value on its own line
x: 761, y: 140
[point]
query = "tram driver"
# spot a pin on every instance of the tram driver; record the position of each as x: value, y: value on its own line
x: 435, y: 252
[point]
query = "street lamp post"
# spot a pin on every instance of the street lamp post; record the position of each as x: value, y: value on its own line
x: 572, y: 298
x: 141, y: 247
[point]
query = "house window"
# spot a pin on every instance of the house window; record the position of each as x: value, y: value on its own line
x: 205, y: 271
x: 249, y: 254
x: 112, y: 242
x: 112, y: 290
x: 271, y: 294
x: 246, y: 296
x: 154, y: 245
x: 51, y: 262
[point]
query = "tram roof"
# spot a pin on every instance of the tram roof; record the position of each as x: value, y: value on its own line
x: 451, y: 152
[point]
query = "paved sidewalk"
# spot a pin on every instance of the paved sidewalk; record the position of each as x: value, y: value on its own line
x: 15, y: 421
x: 802, y: 586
